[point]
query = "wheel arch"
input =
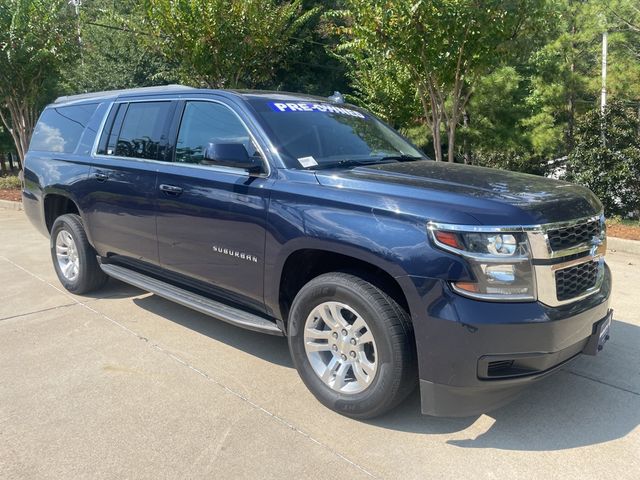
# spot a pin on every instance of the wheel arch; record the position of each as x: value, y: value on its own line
x: 55, y: 204
x: 303, y: 264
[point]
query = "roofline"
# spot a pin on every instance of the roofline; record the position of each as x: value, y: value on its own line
x: 116, y: 93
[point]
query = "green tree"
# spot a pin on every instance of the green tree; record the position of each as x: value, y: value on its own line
x: 37, y: 38
x: 565, y: 75
x: 610, y: 168
x: 115, y: 53
x: 311, y: 67
x: 445, y: 46
x: 225, y: 43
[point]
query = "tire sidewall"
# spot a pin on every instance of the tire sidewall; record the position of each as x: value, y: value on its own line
x: 71, y: 225
x: 382, y: 387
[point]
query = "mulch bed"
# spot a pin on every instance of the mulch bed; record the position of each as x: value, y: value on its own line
x: 630, y: 232
x: 12, y: 194
x: 619, y: 230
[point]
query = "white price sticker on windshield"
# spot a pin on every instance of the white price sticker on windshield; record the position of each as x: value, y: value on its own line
x: 307, y: 162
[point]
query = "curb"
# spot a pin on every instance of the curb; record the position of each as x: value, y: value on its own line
x: 10, y: 205
x: 623, y: 245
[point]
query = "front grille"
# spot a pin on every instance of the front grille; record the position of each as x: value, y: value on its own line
x: 576, y: 280
x: 568, y: 237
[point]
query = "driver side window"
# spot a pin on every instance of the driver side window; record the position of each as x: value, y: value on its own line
x: 204, y: 125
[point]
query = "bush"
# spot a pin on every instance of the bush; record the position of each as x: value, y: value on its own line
x: 518, y: 161
x: 609, y: 164
x: 9, y: 182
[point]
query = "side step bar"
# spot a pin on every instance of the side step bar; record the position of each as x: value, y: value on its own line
x: 192, y: 300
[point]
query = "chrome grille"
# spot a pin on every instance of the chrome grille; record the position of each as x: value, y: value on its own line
x: 573, y: 235
x: 577, y: 280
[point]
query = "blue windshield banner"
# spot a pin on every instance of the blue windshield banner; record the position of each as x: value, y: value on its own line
x: 313, y: 107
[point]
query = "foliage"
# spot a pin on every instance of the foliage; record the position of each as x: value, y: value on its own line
x: 37, y: 37
x: 225, y: 43
x: 606, y: 158
x: 6, y: 142
x: 115, y: 54
x: 444, y: 46
x: 9, y: 182
x: 310, y: 66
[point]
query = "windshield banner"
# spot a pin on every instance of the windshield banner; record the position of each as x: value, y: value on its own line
x: 313, y: 107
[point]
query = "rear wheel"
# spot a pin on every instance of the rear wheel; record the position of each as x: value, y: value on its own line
x: 74, y: 259
x: 352, y: 345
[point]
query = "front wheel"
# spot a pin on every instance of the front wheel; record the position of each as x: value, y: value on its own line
x: 352, y: 345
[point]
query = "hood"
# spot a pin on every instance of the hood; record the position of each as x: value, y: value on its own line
x: 489, y: 195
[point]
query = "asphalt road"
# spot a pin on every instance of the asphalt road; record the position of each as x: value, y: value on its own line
x: 124, y: 384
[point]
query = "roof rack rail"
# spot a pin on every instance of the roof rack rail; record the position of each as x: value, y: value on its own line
x: 114, y: 93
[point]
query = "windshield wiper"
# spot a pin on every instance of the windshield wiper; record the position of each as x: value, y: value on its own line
x: 402, y: 158
x: 351, y: 163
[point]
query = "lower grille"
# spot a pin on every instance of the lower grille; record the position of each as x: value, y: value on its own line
x: 499, y: 368
x: 574, y: 281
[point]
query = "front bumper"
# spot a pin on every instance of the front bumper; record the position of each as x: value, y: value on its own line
x: 476, y: 356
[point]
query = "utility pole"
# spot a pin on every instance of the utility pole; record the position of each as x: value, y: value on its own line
x: 77, y: 4
x: 603, y: 95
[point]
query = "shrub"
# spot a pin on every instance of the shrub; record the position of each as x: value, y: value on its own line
x: 606, y: 158
x: 9, y: 182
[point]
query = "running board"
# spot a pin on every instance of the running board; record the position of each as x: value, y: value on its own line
x: 197, y: 302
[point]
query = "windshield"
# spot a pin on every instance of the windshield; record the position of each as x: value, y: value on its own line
x: 323, y: 135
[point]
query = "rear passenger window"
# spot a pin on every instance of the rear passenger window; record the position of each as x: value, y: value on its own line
x: 142, y: 131
x: 59, y: 128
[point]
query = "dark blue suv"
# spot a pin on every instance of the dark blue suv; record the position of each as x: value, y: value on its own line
x: 301, y: 216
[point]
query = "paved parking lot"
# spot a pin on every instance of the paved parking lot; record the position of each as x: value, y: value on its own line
x: 124, y: 384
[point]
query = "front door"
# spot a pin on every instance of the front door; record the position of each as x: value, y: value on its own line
x: 211, y: 218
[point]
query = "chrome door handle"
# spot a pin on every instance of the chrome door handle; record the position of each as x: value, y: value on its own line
x: 171, y: 189
x: 101, y: 176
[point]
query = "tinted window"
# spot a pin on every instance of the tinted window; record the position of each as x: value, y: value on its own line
x: 204, y: 123
x: 142, y: 131
x: 59, y: 129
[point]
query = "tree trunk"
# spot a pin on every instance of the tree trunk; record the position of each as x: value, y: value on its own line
x: 429, y: 107
x: 2, y: 169
x: 451, y: 134
x: 466, y: 152
x: 19, y: 122
x: 571, y: 106
x: 437, y: 141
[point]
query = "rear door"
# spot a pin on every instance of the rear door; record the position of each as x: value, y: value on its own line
x: 121, y: 205
x: 211, y: 218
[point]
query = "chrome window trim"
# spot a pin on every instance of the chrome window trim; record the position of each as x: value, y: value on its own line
x: 230, y: 170
x: 539, y: 248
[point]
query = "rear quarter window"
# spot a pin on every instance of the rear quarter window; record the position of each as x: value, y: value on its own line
x: 59, y: 128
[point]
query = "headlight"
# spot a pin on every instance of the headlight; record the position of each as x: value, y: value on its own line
x: 500, y: 263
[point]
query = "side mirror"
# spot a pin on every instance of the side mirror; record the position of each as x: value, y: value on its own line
x: 232, y: 155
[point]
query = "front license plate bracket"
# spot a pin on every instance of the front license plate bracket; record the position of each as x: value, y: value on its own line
x: 599, y: 336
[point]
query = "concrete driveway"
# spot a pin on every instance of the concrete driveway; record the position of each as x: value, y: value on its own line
x: 124, y: 384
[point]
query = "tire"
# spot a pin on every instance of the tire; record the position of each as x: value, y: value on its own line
x: 85, y: 275
x: 358, y: 393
